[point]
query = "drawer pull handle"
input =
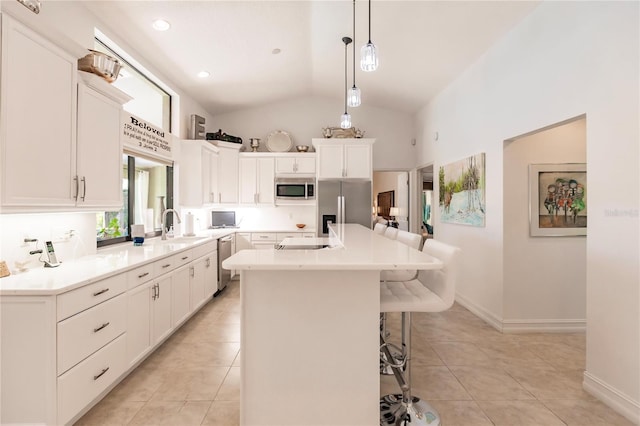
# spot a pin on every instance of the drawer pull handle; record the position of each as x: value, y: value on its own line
x: 104, y: 370
x: 143, y: 275
x: 263, y: 236
x: 101, y: 291
x: 95, y: 330
x: 185, y: 258
x: 166, y: 266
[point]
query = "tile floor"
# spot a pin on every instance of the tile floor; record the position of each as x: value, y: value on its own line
x: 469, y: 372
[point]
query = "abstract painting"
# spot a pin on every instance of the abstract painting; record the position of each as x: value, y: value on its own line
x: 462, y: 191
x: 558, y: 200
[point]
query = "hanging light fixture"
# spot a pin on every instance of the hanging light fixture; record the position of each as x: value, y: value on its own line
x: 353, y: 98
x: 368, y: 53
x: 345, y: 120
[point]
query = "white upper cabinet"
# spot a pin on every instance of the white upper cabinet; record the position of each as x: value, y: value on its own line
x: 344, y: 158
x: 228, y: 173
x: 99, y: 150
x: 37, y: 121
x: 296, y: 164
x: 198, y: 171
x: 256, y: 179
x: 60, y: 140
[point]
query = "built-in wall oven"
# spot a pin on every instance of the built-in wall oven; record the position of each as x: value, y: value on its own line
x: 224, y: 251
x: 295, y: 189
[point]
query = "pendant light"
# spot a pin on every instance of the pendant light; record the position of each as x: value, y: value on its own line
x: 353, y: 98
x: 345, y: 120
x: 368, y: 53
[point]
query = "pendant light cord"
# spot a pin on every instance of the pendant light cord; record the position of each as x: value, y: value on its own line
x: 369, y: 21
x: 354, y: 43
x: 345, y: 74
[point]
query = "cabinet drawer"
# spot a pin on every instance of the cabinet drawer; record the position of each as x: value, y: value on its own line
x: 205, y: 249
x: 165, y: 265
x: 140, y: 275
x: 281, y: 235
x: 263, y: 237
x: 83, y: 334
x: 183, y: 258
x: 80, y: 385
x: 78, y: 300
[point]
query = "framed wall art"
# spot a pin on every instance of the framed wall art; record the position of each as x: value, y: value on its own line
x: 462, y: 191
x: 558, y: 199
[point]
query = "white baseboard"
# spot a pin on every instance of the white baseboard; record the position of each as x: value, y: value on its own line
x: 615, y: 399
x: 480, y: 312
x: 525, y: 325
x: 545, y: 326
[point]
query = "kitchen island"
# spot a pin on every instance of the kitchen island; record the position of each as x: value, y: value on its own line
x: 310, y: 328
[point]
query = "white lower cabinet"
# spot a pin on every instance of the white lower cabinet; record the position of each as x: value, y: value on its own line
x: 61, y: 352
x: 139, y: 305
x: 180, y: 295
x: 80, y: 385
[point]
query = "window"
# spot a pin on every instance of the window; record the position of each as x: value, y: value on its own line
x: 146, y: 190
x: 150, y: 102
x: 147, y: 184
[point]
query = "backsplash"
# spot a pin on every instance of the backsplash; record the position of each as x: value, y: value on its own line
x: 259, y: 218
x: 73, y: 236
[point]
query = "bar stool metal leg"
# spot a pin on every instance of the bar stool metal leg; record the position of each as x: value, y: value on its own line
x: 405, y: 409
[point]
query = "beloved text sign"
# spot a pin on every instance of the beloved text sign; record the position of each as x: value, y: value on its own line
x: 143, y: 137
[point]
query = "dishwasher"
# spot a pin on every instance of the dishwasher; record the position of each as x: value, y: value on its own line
x: 224, y: 251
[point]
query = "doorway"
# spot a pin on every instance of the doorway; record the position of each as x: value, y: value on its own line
x: 391, y: 198
x: 425, y: 200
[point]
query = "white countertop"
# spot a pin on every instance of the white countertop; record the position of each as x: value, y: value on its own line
x: 361, y: 249
x: 108, y: 261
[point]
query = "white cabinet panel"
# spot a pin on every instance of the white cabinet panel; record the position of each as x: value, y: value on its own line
x: 38, y: 119
x: 161, y: 310
x: 84, y: 333
x: 139, y: 321
x: 227, y: 174
x: 180, y: 295
x: 211, y: 275
x: 296, y: 164
x: 99, y: 151
x: 198, y: 171
x: 330, y: 161
x: 256, y: 178
x: 80, y: 385
x: 346, y: 159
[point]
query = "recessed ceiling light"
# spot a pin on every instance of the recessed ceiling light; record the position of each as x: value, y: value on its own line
x: 161, y: 25
x: 204, y: 74
x: 276, y: 51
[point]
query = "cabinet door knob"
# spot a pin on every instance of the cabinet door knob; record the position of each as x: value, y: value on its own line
x: 95, y: 330
x: 75, y: 179
x: 104, y: 370
x: 192, y: 271
x: 84, y: 187
x: 104, y: 290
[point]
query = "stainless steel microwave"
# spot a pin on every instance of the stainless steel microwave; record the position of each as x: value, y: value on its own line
x: 295, y: 189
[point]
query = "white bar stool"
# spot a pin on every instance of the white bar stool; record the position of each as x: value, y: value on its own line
x: 432, y: 291
x: 379, y: 228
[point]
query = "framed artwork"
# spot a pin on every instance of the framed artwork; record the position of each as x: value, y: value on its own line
x: 462, y: 191
x: 386, y: 200
x: 557, y: 199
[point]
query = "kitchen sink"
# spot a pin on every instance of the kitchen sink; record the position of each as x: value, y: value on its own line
x: 181, y: 240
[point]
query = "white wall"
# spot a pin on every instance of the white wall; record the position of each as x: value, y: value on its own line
x: 46, y: 227
x: 564, y: 60
x: 304, y: 119
x: 544, y: 277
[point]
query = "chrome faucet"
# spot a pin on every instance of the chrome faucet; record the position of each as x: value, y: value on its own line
x: 164, y: 220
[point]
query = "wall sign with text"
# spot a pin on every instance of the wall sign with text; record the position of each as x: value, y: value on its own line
x: 144, y: 137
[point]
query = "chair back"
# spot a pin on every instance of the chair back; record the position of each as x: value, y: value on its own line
x: 410, y: 239
x: 441, y: 281
x: 379, y: 228
x: 391, y: 232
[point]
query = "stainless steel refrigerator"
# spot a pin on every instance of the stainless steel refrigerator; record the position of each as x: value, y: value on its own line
x: 343, y: 202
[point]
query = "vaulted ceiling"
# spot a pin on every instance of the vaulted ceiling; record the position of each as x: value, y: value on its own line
x: 423, y: 46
